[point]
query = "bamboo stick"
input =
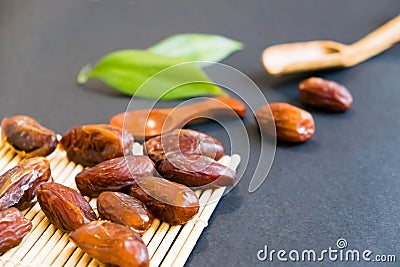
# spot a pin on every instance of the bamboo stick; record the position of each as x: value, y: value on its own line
x: 57, y: 249
x: 5, y: 160
x: 65, y: 254
x: 93, y: 263
x: 3, y: 150
x: 150, y: 232
x: 74, y: 258
x: 45, y: 252
x: 203, y: 219
x: 157, y: 238
x: 165, y: 245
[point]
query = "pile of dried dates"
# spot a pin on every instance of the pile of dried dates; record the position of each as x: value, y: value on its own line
x: 130, y: 190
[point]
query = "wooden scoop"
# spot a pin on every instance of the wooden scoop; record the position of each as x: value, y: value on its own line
x: 315, y: 55
x: 146, y: 123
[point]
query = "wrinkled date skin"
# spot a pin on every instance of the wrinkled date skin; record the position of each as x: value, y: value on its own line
x: 170, y: 202
x: 123, y: 209
x: 292, y: 123
x: 64, y: 207
x: 325, y: 94
x: 184, y: 140
x: 111, y: 243
x: 91, y: 144
x: 113, y: 175
x: 195, y: 170
x: 13, y: 228
x: 27, y: 137
x: 19, y: 185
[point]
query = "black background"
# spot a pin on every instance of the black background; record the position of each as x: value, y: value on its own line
x: 344, y: 183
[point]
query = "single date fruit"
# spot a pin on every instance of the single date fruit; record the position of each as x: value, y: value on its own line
x: 292, y: 123
x: 170, y: 202
x: 91, y: 144
x: 325, y: 94
x: 111, y: 243
x: 64, y: 207
x: 13, y: 228
x: 19, y: 185
x: 123, y: 209
x: 113, y: 175
x: 184, y: 140
x: 27, y: 137
x: 195, y: 170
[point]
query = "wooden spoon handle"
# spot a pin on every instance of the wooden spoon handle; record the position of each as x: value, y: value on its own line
x: 204, y: 108
x: 376, y: 42
x: 236, y: 105
x: 212, y: 107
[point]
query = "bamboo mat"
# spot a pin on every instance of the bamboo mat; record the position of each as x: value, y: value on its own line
x: 46, y: 246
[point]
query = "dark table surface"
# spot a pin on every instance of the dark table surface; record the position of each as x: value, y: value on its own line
x: 344, y: 183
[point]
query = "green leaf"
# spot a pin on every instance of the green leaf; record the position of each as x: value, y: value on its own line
x: 197, y: 47
x: 146, y: 74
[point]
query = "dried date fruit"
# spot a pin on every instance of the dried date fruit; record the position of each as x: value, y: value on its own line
x: 111, y: 243
x: 123, y: 209
x: 91, y: 144
x: 184, y: 140
x: 292, y: 124
x: 195, y: 170
x: 170, y: 202
x: 325, y: 94
x: 64, y: 207
x: 14, y: 227
x: 27, y: 137
x: 19, y: 185
x: 113, y: 175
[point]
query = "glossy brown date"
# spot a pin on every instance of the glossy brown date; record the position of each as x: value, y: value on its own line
x: 170, y: 202
x: 13, y: 228
x: 184, y: 140
x: 91, y: 144
x: 64, y: 207
x: 123, y: 209
x: 111, y: 243
x: 292, y: 124
x: 27, y: 137
x: 19, y: 185
x: 196, y: 170
x: 113, y: 175
x: 325, y: 94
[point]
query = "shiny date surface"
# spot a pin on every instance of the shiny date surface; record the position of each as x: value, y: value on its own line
x: 287, y: 122
x: 170, y: 202
x: 196, y: 170
x: 13, y: 228
x: 113, y: 175
x: 64, y: 207
x: 111, y: 243
x: 124, y: 209
x: 184, y: 140
x: 91, y: 144
x: 19, y: 185
x: 27, y: 136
